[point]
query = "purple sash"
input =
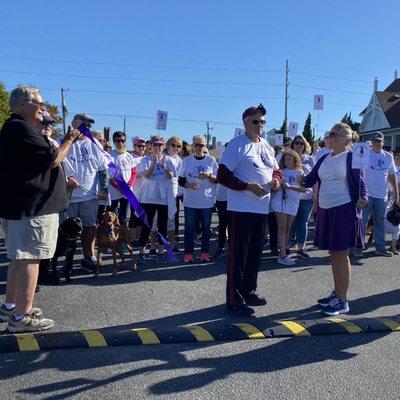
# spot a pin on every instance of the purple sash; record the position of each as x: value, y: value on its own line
x: 126, y: 191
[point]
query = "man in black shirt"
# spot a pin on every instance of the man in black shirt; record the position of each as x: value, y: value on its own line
x: 34, y: 192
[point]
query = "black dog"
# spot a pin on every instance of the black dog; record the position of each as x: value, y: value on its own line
x: 68, y: 233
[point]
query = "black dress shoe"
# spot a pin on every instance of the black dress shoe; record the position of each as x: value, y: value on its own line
x: 254, y: 299
x: 240, y: 310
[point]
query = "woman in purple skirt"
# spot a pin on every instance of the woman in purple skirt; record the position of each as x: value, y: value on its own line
x: 342, y: 196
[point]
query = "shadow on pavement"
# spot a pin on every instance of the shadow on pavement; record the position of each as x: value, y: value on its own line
x: 268, y: 358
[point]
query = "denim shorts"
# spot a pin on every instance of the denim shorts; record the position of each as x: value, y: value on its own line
x: 85, y: 210
x: 31, y: 238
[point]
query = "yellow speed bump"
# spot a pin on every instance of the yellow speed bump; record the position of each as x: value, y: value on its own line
x: 147, y: 336
x: 349, y: 326
x: 27, y: 342
x: 94, y: 338
x: 250, y: 330
x: 201, y: 334
x: 296, y: 328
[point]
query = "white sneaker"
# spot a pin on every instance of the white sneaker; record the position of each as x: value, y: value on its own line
x: 286, y: 260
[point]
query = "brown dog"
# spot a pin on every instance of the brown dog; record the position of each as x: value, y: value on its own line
x: 109, y: 235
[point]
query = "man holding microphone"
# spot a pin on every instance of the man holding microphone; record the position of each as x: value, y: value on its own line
x: 249, y: 170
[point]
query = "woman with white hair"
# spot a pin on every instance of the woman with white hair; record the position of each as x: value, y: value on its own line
x: 342, y: 196
x: 198, y: 176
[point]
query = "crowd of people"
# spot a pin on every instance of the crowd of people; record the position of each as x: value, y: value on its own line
x: 261, y: 195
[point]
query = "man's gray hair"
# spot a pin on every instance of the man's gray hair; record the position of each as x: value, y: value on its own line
x: 21, y: 93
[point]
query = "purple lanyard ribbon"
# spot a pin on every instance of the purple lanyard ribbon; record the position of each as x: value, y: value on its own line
x: 126, y: 191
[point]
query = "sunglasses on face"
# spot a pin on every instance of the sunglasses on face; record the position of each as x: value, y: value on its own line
x: 299, y: 143
x: 158, y: 144
x: 141, y: 146
x: 332, y: 135
x: 119, y: 140
x: 177, y: 146
x: 259, y: 121
x: 199, y: 145
x: 37, y: 103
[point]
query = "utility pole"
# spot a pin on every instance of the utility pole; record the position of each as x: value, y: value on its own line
x: 125, y: 124
x: 286, y: 91
x: 375, y: 84
x: 64, y: 111
x: 208, y: 133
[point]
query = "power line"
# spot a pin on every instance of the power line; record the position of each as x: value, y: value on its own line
x: 189, y: 95
x: 170, y: 119
x: 142, y: 79
x: 331, y: 90
x: 330, y: 77
x: 143, y: 65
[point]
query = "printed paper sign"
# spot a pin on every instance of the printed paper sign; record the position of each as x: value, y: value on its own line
x: 360, y: 155
x: 239, y: 132
x: 293, y: 127
x: 161, y: 120
x: 278, y: 139
x: 318, y: 102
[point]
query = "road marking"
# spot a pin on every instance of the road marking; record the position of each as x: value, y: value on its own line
x: 147, y: 336
x: 296, y: 328
x: 27, y: 342
x: 349, y: 326
x: 250, y: 330
x: 95, y: 338
x: 201, y: 334
x: 393, y: 325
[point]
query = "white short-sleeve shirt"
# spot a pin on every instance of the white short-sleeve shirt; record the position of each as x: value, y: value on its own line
x: 204, y: 196
x: 376, y: 175
x: 251, y: 162
x: 87, y: 160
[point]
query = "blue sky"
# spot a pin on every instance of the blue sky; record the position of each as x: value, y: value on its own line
x: 231, y: 52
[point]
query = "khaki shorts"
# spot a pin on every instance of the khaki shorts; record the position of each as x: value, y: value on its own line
x: 31, y: 238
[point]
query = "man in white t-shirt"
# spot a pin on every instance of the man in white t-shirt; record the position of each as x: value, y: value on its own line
x: 324, y: 150
x: 249, y: 170
x: 90, y: 184
x: 381, y: 169
x: 126, y: 165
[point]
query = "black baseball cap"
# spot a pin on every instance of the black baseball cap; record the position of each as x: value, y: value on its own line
x: 260, y: 109
x: 84, y: 117
x: 377, y: 136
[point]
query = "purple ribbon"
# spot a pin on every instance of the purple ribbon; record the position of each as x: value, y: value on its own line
x: 126, y: 191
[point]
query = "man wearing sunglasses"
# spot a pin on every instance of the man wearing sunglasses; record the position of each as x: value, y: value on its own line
x: 33, y: 195
x: 91, y: 185
x: 125, y: 162
x: 135, y: 223
x: 249, y: 170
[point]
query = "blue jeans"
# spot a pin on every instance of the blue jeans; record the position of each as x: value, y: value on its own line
x: 378, y: 208
x: 300, y: 223
x: 192, y: 215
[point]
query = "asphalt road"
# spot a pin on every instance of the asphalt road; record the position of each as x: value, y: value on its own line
x: 363, y: 366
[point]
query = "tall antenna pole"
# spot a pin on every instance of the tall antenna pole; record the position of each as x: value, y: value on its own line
x: 64, y: 111
x: 286, y: 91
x: 208, y: 134
x: 125, y: 124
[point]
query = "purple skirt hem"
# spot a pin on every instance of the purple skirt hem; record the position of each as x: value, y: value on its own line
x: 338, y: 228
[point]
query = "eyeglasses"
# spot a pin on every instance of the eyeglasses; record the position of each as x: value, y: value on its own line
x: 37, y: 103
x: 299, y: 143
x: 199, y: 145
x: 158, y: 144
x: 177, y: 146
x: 141, y: 146
x: 259, y: 121
x: 119, y: 140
